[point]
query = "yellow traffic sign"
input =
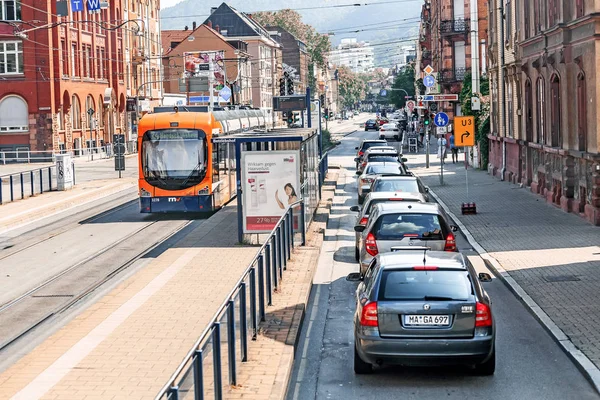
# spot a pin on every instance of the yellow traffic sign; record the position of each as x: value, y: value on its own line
x: 464, y: 131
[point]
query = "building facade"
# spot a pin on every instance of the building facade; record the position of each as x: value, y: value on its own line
x: 63, y: 86
x: 358, y: 56
x: 265, y: 53
x: 295, y: 55
x: 205, y: 39
x: 143, y: 67
x: 445, y: 44
x: 552, y: 143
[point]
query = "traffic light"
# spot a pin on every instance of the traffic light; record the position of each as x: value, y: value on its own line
x: 327, y: 113
x: 426, y: 118
x: 290, y: 86
x: 290, y: 118
x: 322, y: 99
x: 282, y: 87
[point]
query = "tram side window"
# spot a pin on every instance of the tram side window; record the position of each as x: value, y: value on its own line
x: 215, y: 162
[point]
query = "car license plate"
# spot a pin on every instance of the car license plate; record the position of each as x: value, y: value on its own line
x: 427, y: 320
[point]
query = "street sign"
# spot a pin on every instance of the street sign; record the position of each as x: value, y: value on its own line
x: 119, y: 163
x: 428, y: 70
x: 429, y: 81
x: 410, y: 105
x: 438, y: 97
x: 464, y: 131
x: 383, y: 93
x: 225, y: 93
x: 441, y: 130
x: 441, y: 119
x: 90, y: 111
x: 433, y: 107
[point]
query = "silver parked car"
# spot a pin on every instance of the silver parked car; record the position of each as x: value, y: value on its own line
x: 423, y: 308
x: 373, y: 170
x: 378, y: 154
x: 403, y: 225
x: 402, y: 184
x: 375, y: 198
x: 367, y: 144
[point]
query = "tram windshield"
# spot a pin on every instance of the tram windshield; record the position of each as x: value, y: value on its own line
x: 174, y: 159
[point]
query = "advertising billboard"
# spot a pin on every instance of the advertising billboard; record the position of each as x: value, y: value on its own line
x: 203, y: 63
x: 270, y: 183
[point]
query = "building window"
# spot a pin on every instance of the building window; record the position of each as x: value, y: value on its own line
x: 581, y: 113
x: 75, y: 113
x: 528, y: 111
x: 86, y: 61
x: 89, y: 104
x: 579, y: 8
x: 555, y: 94
x: 14, y: 115
x: 11, y: 57
x: 508, y: 20
x: 104, y: 63
x: 65, y: 57
x: 10, y: 10
x: 74, y: 59
x: 510, y: 126
x: 541, y: 111
x: 553, y: 12
x: 100, y: 112
x: 526, y: 19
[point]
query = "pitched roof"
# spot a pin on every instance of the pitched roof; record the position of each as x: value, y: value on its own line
x: 180, y: 36
x: 236, y: 23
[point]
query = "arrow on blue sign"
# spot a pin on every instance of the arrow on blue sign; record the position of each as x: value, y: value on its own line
x: 441, y: 119
x: 429, y: 81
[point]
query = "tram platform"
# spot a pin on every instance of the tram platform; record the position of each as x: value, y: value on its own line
x: 128, y: 343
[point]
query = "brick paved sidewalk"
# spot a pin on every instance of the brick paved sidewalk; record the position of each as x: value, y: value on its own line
x: 271, y: 357
x: 554, y: 256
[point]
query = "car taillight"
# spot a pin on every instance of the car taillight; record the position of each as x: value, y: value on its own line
x: 425, y: 268
x: 450, y: 243
x: 360, y: 153
x: 366, y: 180
x: 483, y: 315
x: 369, y: 315
x: 363, y: 221
x: 364, y: 164
x: 371, y: 245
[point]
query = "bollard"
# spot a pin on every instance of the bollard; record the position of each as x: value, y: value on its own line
x: 1, y: 202
x: 231, y: 342
x: 253, y: 321
x: 41, y: 182
x: 12, y: 192
x: 73, y: 169
x: 49, y: 179
x: 216, y: 339
x: 198, y: 376
x: 243, y: 323
x: 32, y: 181
x: 22, y: 186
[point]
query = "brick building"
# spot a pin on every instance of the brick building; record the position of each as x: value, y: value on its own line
x: 551, y: 144
x: 445, y: 43
x: 51, y: 77
x: 295, y: 55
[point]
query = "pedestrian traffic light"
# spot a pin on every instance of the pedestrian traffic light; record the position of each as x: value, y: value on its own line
x: 426, y: 121
x: 322, y: 99
x: 290, y: 119
x: 327, y: 113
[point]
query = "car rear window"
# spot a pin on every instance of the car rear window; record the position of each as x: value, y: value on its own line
x: 402, y: 225
x: 425, y: 285
x: 397, y: 186
x: 368, y: 145
x: 382, y: 158
x: 385, y: 169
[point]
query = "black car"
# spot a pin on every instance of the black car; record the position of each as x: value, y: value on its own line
x: 371, y: 124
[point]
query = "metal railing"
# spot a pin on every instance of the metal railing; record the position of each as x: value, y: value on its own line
x: 459, y: 25
x: 92, y: 153
x: 323, y: 168
x: 226, y: 338
x: 453, y: 75
x: 28, y: 183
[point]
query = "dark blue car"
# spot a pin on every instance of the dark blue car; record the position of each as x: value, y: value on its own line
x: 371, y: 124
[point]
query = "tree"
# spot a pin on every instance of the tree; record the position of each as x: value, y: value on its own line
x: 351, y: 86
x: 482, y: 123
x: 405, y: 81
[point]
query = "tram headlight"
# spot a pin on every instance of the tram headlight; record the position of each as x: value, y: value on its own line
x: 145, y: 193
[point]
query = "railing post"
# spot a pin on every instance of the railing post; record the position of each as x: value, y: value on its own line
x: 173, y: 393
x: 302, y: 217
x: 273, y: 246
x: 32, y: 182
x: 231, y: 342
x: 281, y: 252
x: 1, y: 190
x: 49, y: 179
x: 261, y: 289
x: 243, y: 323
x: 217, y: 361
x: 284, y: 239
x: 73, y: 169
x: 289, y: 236
x: 253, y: 321
x: 22, y: 186
x: 292, y: 226
x: 267, y: 256
x: 198, y: 376
x: 282, y: 244
x: 12, y: 192
x: 41, y: 182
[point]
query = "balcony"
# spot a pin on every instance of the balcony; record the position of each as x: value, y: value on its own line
x: 450, y: 76
x: 454, y: 27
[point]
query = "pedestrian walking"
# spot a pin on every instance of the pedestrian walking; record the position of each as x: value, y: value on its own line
x: 441, y: 147
x: 422, y: 134
x: 453, y: 149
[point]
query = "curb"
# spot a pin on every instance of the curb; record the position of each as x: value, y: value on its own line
x: 583, y: 363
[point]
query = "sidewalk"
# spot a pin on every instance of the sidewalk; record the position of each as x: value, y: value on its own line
x: 549, y: 258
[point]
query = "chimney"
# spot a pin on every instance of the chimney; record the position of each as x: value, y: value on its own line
x: 194, y: 25
x: 209, y: 24
x: 217, y: 28
x: 186, y: 28
x: 213, y: 9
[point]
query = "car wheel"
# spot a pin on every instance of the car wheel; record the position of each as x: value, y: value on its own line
x: 356, y: 254
x: 488, y: 367
x: 381, y: 137
x: 366, y: 130
x: 361, y: 367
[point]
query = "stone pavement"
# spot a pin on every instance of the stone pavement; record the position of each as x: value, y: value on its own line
x: 129, y: 343
x: 271, y: 357
x: 553, y: 256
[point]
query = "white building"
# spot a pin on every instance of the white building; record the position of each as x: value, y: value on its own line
x: 358, y: 56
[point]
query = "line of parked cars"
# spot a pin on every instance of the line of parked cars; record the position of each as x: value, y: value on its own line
x: 419, y: 301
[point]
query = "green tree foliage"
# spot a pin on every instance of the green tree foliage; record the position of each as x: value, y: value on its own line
x: 406, y: 81
x: 352, y: 87
x: 482, y: 117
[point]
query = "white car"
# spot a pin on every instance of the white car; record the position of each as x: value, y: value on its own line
x: 372, y: 171
x: 389, y: 131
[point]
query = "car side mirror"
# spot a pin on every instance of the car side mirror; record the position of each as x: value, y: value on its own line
x: 484, y: 277
x: 356, y: 148
x: 358, y: 173
x: 427, y: 190
x: 454, y: 228
x: 404, y: 159
x: 355, y: 208
x: 356, y: 159
x: 354, y: 277
x: 359, y: 228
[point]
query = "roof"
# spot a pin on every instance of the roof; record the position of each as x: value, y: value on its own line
x: 167, y: 37
x: 236, y: 23
x: 410, y: 258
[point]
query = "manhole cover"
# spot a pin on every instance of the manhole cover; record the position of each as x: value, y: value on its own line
x: 561, y: 278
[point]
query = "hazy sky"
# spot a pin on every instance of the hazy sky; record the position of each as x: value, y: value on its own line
x: 168, y: 3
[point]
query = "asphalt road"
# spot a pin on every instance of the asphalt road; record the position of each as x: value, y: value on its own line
x: 530, y: 365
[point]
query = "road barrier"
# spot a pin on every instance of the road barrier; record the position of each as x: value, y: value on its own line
x: 24, y: 155
x: 200, y: 376
x: 28, y: 183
